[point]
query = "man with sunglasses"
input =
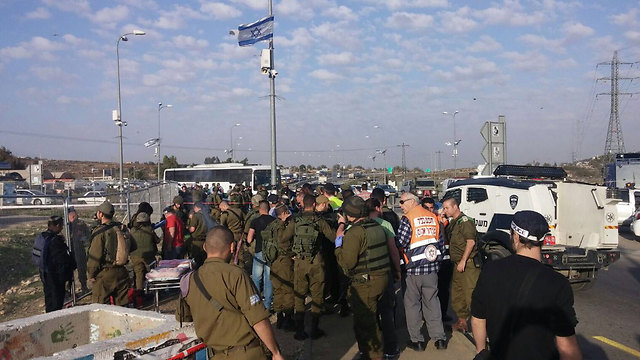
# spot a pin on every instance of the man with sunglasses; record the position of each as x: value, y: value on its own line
x: 419, y: 235
x: 524, y: 307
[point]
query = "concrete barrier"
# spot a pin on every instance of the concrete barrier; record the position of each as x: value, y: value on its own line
x: 93, y: 332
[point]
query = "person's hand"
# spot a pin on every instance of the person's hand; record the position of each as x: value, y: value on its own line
x: 341, y: 218
x: 461, y: 266
x: 277, y: 356
x: 91, y: 281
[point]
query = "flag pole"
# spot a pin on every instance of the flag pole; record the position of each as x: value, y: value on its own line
x: 272, y: 97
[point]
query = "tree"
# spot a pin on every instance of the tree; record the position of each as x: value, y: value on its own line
x: 212, y: 160
x: 303, y: 168
x: 169, y: 162
x: 244, y: 161
x: 7, y: 156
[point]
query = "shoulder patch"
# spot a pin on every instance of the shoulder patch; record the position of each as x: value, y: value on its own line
x: 254, y: 299
x: 184, y: 284
x: 464, y: 218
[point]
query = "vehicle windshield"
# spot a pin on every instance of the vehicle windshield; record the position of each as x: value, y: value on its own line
x: 36, y: 192
x: 425, y: 183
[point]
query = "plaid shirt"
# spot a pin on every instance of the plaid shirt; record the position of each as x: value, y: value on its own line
x: 404, y: 239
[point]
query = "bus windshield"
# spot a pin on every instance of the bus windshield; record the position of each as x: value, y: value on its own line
x: 263, y: 177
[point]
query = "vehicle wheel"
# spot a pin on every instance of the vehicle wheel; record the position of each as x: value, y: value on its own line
x: 37, y: 202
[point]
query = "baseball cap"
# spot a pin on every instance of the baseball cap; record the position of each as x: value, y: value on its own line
x: 530, y: 225
x: 272, y: 198
x: 321, y: 199
x: 330, y: 187
x: 354, y: 206
x: 106, y: 208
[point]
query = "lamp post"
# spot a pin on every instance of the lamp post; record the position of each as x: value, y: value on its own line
x: 231, y: 140
x: 118, y: 116
x: 455, y: 141
x: 160, y: 107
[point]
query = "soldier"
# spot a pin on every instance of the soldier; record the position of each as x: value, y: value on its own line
x: 51, y: 255
x: 363, y: 254
x: 308, y: 265
x: 108, y: 279
x: 198, y: 229
x: 79, y: 238
x: 233, y: 219
x: 142, y: 207
x: 461, y: 232
x: 214, y: 203
x: 282, y: 270
x: 180, y: 210
x: 332, y: 272
x: 143, y: 249
x: 225, y: 306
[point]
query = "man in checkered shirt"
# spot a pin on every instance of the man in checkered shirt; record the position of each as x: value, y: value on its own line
x: 419, y: 236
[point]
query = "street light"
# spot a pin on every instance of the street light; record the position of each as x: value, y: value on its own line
x: 160, y: 107
x: 118, y: 115
x: 231, y: 140
x: 455, y: 141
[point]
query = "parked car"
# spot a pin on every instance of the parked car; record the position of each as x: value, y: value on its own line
x: 92, y: 197
x: 388, y: 190
x: 32, y: 197
x: 635, y: 223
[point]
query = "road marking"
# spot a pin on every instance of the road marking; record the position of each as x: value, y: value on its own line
x: 618, y: 346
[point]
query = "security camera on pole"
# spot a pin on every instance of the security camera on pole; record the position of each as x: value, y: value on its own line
x: 495, y: 147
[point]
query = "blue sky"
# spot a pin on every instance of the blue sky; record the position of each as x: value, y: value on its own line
x: 354, y: 76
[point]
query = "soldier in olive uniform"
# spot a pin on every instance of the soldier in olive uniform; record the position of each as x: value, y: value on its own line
x: 461, y: 232
x: 363, y: 254
x: 233, y: 219
x: 332, y: 271
x: 108, y: 279
x: 79, y: 238
x: 282, y: 270
x: 225, y: 306
x: 198, y: 229
x: 143, y: 248
x: 308, y: 265
x: 214, y: 205
x: 179, y: 209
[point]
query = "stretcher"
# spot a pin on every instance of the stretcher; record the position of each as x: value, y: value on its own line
x: 165, y: 275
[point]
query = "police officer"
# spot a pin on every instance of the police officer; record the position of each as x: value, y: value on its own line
x: 51, y: 254
x: 225, y: 306
x: 308, y: 265
x: 198, y: 229
x: 108, y: 279
x: 363, y: 254
x: 79, y: 238
x: 461, y: 232
x: 143, y: 248
x: 282, y: 270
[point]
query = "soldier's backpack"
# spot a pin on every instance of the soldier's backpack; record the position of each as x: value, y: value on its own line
x: 305, y: 240
x: 270, y: 235
x: 118, y: 254
x: 37, y: 252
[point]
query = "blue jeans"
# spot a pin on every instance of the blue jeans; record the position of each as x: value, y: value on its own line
x: 260, y: 275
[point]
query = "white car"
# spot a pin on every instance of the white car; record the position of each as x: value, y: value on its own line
x: 92, y: 197
x: 32, y: 197
x: 635, y: 223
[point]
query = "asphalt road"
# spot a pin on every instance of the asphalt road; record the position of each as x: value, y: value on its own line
x: 610, y: 310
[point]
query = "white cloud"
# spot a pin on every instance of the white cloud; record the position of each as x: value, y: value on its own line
x: 49, y: 73
x: 189, y: 42
x: 242, y: 92
x: 458, y: 21
x: 220, y: 11
x: 505, y: 15
x: 338, y: 34
x: 109, y: 17
x: 299, y: 37
x: 176, y: 18
x: 37, y: 46
x: 575, y: 30
x: 325, y: 75
x: 341, y: 13
x: 485, y: 43
x: 472, y: 69
x: 294, y: 8
x: 633, y: 36
x: 541, y: 42
x: 343, y: 58
x: 404, y: 4
x: 529, y: 61
x: 39, y: 13
x: 412, y: 21
x: 81, y: 7
x: 254, y: 4
x: 629, y: 18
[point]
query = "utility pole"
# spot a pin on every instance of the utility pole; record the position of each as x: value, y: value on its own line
x: 404, y: 161
x: 272, y: 98
x: 615, y: 140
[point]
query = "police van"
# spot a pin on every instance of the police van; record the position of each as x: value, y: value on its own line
x: 583, y: 223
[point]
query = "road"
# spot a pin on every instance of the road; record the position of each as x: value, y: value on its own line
x: 611, y: 308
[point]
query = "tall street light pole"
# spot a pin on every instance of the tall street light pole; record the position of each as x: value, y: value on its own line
x: 231, y: 140
x: 160, y: 107
x: 118, y: 116
x: 455, y: 141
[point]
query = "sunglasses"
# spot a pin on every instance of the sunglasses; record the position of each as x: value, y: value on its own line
x: 404, y: 201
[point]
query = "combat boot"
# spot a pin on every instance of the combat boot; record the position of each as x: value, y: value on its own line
x: 280, y: 320
x: 316, y: 332
x: 289, y: 322
x: 300, y: 334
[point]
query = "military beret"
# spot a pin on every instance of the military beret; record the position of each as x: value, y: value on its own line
x: 530, y: 225
x: 106, y: 208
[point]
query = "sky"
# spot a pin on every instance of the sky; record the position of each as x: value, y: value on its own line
x: 353, y: 77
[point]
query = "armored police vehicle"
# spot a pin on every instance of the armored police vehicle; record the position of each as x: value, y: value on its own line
x: 583, y: 223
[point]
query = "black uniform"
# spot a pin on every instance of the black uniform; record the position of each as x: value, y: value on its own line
x: 57, y: 269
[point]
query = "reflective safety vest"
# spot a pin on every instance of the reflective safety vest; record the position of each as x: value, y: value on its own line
x: 425, y: 234
x: 376, y: 255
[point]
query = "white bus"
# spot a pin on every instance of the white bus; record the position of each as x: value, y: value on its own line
x: 227, y: 174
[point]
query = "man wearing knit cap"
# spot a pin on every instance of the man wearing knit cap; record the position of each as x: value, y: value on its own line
x: 524, y: 307
x: 108, y: 278
x: 363, y: 254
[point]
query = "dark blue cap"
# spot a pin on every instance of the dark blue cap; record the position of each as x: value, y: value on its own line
x: 530, y: 224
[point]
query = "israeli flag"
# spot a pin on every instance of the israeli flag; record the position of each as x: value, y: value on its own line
x: 260, y: 30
